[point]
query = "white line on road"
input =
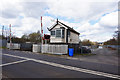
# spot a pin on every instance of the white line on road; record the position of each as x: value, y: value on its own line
x: 69, y: 67
x: 13, y: 63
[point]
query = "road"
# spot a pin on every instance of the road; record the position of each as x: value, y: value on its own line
x: 20, y: 64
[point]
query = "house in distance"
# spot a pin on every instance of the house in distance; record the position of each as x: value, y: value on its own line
x: 61, y: 33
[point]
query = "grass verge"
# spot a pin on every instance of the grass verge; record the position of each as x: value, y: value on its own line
x: 3, y: 48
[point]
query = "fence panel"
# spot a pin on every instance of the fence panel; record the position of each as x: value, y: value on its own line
x: 26, y: 46
x: 54, y: 49
x: 36, y: 48
x: 13, y: 46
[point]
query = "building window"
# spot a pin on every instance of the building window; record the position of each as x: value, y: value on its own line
x: 58, y: 33
x: 52, y: 33
x: 68, y: 32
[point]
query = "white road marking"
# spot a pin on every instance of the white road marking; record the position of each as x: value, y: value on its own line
x: 13, y: 63
x: 69, y: 67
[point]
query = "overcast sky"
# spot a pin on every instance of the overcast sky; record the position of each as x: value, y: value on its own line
x: 93, y: 19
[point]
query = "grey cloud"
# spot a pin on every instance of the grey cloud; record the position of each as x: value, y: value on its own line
x: 29, y: 9
x: 10, y: 12
x: 108, y: 28
x: 34, y: 9
x: 85, y: 11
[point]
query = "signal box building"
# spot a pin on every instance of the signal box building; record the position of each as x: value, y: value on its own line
x: 61, y: 33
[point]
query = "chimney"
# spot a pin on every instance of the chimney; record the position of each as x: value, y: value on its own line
x: 57, y: 20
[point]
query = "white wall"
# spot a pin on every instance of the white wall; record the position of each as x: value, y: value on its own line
x: 73, y: 38
x: 56, y: 40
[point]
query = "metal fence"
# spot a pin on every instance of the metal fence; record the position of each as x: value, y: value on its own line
x: 76, y: 47
x: 20, y: 46
x: 36, y: 48
x: 26, y: 46
x: 13, y: 46
x: 54, y: 49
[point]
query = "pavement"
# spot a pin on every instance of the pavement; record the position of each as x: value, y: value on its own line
x: 21, y: 64
x: 104, y: 56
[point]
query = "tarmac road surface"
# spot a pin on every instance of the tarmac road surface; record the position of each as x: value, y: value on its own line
x: 19, y: 64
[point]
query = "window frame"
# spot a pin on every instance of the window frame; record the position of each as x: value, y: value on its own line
x: 60, y: 33
x: 54, y: 34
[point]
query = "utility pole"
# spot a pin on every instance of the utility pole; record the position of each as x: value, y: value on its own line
x: 10, y: 36
x: 2, y: 32
x: 6, y: 33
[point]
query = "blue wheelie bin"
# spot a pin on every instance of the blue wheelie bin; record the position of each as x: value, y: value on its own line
x: 71, y: 51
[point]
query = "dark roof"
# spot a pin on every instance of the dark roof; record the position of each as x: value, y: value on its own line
x: 71, y: 29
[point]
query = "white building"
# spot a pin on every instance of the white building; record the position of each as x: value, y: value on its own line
x: 61, y: 33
